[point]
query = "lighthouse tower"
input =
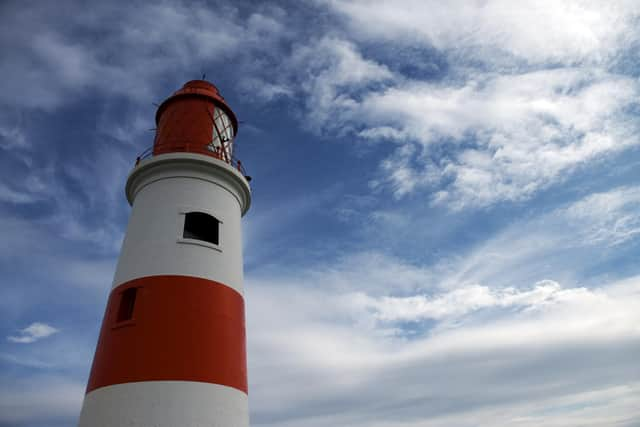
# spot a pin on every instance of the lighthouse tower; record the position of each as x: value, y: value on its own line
x: 171, y: 350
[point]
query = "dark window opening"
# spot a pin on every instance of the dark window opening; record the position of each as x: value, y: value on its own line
x: 127, y: 304
x: 201, y: 226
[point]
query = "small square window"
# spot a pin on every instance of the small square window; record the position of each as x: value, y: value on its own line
x: 201, y: 226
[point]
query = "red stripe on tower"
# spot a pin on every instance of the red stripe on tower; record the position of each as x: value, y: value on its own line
x: 172, y: 328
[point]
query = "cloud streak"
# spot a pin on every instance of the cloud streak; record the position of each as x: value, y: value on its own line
x: 373, y: 340
x: 470, y: 362
x: 32, y: 333
x: 574, y: 31
x: 540, y: 107
x: 511, y: 136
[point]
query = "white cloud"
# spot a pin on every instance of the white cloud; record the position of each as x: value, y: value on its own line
x: 328, y: 347
x: 507, y: 136
x: 609, y: 218
x: 12, y: 135
x: 520, y: 133
x: 542, y: 104
x: 565, y: 241
x: 122, y: 50
x: 336, y: 63
x: 329, y: 72
x: 478, y: 338
x: 538, y: 32
x: 458, y: 302
x: 32, y: 333
x: 12, y: 196
x: 264, y: 90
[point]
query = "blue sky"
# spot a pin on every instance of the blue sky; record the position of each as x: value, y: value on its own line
x: 446, y: 215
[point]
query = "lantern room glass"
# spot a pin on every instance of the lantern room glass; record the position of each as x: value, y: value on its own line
x: 222, y: 140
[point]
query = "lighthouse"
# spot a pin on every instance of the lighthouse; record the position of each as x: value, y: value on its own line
x: 171, y: 350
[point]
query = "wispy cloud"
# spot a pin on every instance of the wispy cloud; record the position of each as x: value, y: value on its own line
x: 477, y: 338
x: 563, y: 241
x: 39, y: 398
x: 511, y: 136
x: 330, y: 72
x: 32, y: 333
x: 459, y: 302
x: 131, y: 41
x: 519, y: 111
x: 609, y: 218
x: 507, y: 136
x: 474, y: 359
x: 25, y: 361
x: 574, y: 31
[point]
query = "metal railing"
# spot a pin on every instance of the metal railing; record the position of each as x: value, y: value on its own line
x: 206, y: 150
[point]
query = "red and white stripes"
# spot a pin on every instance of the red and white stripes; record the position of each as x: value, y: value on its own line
x: 172, y: 345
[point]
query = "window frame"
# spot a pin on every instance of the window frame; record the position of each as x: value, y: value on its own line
x: 117, y: 323
x: 182, y: 215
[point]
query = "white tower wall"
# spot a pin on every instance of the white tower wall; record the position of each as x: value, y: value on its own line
x: 158, y: 390
x: 161, y: 190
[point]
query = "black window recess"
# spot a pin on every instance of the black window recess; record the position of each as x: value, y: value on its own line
x: 201, y: 226
x: 127, y: 304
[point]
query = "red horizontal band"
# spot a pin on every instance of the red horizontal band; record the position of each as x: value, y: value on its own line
x: 181, y: 328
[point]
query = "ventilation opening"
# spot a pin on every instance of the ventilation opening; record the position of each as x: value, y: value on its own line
x: 127, y: 304
x: 201, y: 226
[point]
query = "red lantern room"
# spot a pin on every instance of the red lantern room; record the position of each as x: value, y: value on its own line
x: 196, y: 119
